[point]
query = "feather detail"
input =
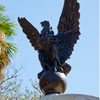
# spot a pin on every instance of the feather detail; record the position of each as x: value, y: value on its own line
x: 31, y: 32
x: 68, y: 29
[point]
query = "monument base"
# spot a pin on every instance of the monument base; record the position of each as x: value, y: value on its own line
x: 68, y: 97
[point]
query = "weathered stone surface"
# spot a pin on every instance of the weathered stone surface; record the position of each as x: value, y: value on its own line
x: 68, y: 97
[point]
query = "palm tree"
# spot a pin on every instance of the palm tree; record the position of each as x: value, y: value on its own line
x: 7, y: 50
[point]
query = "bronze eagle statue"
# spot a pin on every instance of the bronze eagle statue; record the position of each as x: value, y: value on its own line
x: 54, y: 50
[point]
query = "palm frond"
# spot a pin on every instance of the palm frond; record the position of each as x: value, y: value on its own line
x: 7, y: 50
x: 12, y: 49
x: 6, y: 25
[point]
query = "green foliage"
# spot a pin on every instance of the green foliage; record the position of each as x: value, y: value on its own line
x: 7, y: 50
x: 8, y: 28
x: 11, y: 88
x: 6, y: 25
x: 11, y: 49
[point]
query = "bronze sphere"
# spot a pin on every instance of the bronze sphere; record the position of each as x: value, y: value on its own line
x: 53, y: 82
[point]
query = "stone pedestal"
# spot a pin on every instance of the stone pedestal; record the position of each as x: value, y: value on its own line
x: 68, y: 97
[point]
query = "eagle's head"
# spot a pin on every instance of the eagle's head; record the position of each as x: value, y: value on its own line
x: 47, y: 28
x: 45, y: 24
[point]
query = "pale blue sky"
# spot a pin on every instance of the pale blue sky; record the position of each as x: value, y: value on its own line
x: 84, y: 76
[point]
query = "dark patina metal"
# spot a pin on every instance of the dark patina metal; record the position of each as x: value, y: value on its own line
x: 53, y: 82
x: 54, y: 50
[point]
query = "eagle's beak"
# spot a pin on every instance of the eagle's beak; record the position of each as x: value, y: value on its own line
x: 42, y: 24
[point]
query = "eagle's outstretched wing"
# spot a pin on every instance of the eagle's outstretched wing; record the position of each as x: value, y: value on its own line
x: 31, y: 32
x: 68, y: 29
